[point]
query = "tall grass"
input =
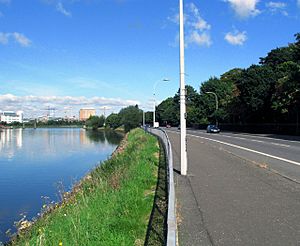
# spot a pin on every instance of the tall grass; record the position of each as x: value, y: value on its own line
x: 111, y: 206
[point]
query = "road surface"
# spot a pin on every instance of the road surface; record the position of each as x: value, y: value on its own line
x: 240, y: 189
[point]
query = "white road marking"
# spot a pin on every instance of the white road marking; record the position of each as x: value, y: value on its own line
x: 266, y: 137
x: 249, y: 150
x: 254, y: 140
x: 258, y: 141
x: 282, y: 145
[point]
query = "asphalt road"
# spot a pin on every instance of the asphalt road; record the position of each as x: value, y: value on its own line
x: 239, y: 190
x: 279, y: 153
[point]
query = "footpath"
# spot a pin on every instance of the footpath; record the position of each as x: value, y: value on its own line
x: 225, y: 200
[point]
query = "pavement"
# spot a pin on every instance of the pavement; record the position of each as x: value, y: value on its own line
x: 231, y: 198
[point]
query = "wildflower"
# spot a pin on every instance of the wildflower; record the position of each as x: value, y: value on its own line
x: 44, y: 206
x: 60, y: 244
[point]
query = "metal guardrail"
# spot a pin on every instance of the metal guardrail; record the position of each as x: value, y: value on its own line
x: 171, y: 220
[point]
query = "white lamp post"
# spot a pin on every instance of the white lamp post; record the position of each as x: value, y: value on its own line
x: 154, y: 88
x: 183, y: 149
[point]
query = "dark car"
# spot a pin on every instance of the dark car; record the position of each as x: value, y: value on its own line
x: 212, y: 129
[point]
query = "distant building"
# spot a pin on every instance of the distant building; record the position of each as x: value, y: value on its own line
x: 43, y: 118
x: 10, y: 116
x: 84, y: 114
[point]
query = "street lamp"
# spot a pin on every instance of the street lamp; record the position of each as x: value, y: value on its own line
x: 183, y: 148
x: 143, y: 121
x: 154, y: 88
x: 217, y: 103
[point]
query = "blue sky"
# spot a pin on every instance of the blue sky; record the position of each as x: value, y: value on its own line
x: 73, y: 54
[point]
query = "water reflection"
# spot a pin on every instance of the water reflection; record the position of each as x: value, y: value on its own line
x: 32, y: 162
x: 10, y: 140
x: 111, y: 137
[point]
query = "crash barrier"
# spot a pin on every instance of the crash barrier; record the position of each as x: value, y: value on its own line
x: 171, y: 220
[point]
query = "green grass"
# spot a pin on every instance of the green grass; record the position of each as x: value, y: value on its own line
x: 111, y: 206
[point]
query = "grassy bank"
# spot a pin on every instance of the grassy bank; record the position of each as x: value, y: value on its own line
x: 111, y: 206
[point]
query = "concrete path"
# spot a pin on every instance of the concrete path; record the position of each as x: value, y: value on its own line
x: 228, y: 200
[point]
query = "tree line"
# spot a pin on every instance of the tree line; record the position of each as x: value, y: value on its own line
x: 267, y: 93
x: 128, y: 118
x: 264, y: 94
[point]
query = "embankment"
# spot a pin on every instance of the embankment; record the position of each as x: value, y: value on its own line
x: 110, y: 206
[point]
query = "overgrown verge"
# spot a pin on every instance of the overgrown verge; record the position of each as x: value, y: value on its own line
x: 111, y: 206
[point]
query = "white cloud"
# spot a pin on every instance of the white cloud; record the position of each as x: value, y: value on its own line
x: 275, y: 7
x: 196, y: 27
x: 60, y: 8
x: 21, y: 39
x: 18, y: 37
x: 236, y: 38
x: 194, y: 18
x: 174, y: 19
x: 201, y: 25
x: 4, y: 38
x: 244, y: 8
x: 36, y: 105
x: 201, y: 39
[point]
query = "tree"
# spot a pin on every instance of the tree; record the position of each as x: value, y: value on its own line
x: 131, y: 117
x: 225, y: 90
x: 148, y: 117
x: 256, y: 86
x: 95, y: 122
x: 113, y: 121
x: 279, y: 55
x: 287, y: 94
x: 168, y: 112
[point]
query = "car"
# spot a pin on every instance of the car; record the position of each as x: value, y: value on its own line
x: 212, y: 129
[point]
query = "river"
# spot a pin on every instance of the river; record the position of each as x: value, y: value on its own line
x: 37, y: 164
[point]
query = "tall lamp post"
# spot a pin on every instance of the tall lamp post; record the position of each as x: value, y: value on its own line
x: 183, y: 149
x: 143, y: 120
x: 217, y: 103
x: 154, y: 88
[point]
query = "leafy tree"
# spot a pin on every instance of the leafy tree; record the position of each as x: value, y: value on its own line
x: 148, y: 117
x: 113, y: 121
x: 131, y: 117
x: 95, y: 122
x: 225, y: 90
x: 287, y: 95
x: 168, y: 112
x: 297, y: 48
x: 279, y: 55
x: 256, y: 86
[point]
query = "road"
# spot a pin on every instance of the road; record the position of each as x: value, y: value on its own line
x: 240, y: 189
x: 277, y: 153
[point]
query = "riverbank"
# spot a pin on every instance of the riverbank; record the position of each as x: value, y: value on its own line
x: 110, y: 206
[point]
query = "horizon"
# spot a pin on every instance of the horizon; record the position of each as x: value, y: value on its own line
x: 76, y: 54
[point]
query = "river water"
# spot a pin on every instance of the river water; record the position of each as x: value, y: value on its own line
x: 36, y: 164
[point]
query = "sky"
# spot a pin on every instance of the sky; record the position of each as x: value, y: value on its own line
x: 72, y: 54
